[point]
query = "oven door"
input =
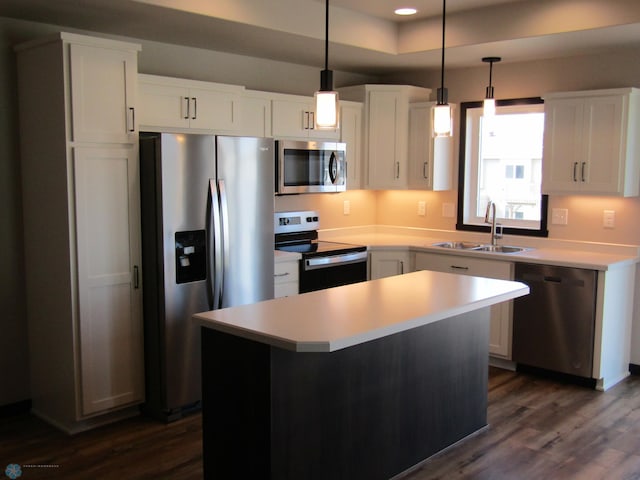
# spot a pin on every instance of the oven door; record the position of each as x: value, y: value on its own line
x: 310, y: 167
x: 317, y: 273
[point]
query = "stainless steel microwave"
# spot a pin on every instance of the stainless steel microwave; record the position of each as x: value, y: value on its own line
x: 310, y: 167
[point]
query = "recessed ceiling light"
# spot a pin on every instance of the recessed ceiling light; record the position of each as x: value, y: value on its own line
x: 405, y: 11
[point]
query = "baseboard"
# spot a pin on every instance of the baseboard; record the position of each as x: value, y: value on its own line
x: 16, y: 408
x: 634, y: 369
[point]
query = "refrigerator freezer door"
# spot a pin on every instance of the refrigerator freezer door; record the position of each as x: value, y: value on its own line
x: 246, y: 172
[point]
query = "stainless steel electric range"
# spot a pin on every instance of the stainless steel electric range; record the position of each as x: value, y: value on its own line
x: 324, y: 264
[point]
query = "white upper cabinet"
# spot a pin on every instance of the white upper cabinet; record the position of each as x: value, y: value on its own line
x: 103, y: 89
x: 293, y: 116
x: 188, y: 104
x: 351, y: 134
x: 255, y: 114
x: 386, y: 131
x: 430, y: 158
x: 590, y: 143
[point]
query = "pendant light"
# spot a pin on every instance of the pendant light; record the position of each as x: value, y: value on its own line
x: 327, y: 107
x: 490, y: 102
x: 442, y: 123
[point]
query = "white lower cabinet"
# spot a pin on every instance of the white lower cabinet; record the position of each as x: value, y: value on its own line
x: 501, y: 314
x: 387, y: 263
x: 285, y: 277
x: 109, y: 297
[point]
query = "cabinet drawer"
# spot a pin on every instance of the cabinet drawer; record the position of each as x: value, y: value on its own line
x: 464, y: 265
x: 285, y: 272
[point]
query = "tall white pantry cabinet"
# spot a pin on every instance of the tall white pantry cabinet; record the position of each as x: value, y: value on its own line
x: 77, y: 99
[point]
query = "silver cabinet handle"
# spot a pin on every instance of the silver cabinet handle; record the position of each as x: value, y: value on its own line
x: 195, y: 108
x: 456, y: 267
x: 281, y: 274
x: 401, y: 267
x: 186, y: 108
x: 582, y: 171
x: 136, y: 277
x: 132, y: 119
x: 397, y: 169
x: 575, y: 167
x: 424, y: 169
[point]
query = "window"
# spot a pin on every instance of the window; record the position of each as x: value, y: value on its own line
x: 501, y: 162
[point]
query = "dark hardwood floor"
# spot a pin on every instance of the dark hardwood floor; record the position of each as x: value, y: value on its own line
x: 539, y: 429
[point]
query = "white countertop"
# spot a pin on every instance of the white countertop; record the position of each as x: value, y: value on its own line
x: 569, y: 254
x: 340, y: 317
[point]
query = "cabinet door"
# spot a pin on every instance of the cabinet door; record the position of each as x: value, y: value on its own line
x: 255, y: 117
x: 163, y: 106
x: 109, y: 294
x: 430, y: 159
x: 351, y: 134
x: 389, y: 263
x: 386, y: 138
x: 602, y: 143
x: 290, y: 118
x: 103, y: 94
x: 562, y: 159
x: 501, y: 318
x: 214, y: 110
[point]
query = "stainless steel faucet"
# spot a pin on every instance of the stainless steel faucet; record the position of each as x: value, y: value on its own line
x: 491, y: 211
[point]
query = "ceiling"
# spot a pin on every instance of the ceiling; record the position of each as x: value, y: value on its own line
x: 365, y: 35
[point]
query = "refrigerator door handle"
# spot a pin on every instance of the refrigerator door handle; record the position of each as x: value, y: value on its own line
x: 224, y: 221
x: 214, y: 247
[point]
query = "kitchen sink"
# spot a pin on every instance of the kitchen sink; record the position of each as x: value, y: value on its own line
x: 500, y: 249
x: 459, y: 245
x: 478, y: 247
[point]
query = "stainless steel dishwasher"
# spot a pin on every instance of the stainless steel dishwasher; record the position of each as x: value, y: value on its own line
x: 553, y: 326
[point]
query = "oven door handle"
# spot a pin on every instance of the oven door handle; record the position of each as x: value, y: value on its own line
x: 334, y: 260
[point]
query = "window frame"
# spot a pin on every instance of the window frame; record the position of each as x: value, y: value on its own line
x: 542, y: 231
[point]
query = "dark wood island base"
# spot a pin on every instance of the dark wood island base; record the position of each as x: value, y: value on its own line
x: 369, y: 411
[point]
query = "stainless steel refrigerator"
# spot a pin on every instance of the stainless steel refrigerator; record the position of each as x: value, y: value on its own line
x: 207, y: 235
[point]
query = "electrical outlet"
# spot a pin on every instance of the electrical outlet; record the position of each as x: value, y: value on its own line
x: 559, y: 216
x: 422, y: 208
x: 609, y: 219
x: 448, y: 210
x: 346, y: 207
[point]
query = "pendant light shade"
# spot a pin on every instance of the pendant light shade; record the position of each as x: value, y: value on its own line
x: 327, y: 104
x: 489, y: 109
x: 442, y: 121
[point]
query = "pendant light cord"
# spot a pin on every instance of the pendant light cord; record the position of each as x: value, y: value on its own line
x: 326, y: 38
x: 490, y: 73
x: 444, y: 7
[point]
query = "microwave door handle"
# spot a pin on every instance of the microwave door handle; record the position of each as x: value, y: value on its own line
x: 333, y: 169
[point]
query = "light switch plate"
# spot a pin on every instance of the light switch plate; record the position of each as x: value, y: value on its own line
x: 609, y: 219
x: 422, y: 208
x: 559, y: 216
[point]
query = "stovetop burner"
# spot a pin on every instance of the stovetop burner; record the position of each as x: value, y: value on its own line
x: 320, y: 247
x: 297, y: 232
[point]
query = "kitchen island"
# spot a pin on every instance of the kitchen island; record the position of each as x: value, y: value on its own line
x: 363, y: 381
